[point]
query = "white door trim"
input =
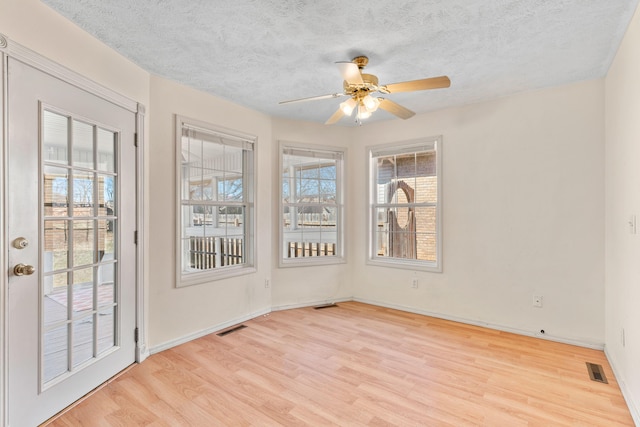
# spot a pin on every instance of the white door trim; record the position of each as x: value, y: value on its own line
x: 9, y: 48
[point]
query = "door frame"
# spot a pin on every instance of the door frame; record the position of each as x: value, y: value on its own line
x: 9, y: 48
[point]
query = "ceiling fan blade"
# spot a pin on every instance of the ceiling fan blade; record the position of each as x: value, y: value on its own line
x: 335, y: 117
x: 350, y: 73
x: 313, y: 98
x: 396, y: 109
x: 423, y: 84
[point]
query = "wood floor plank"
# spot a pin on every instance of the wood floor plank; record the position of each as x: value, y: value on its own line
x: 356, y: 365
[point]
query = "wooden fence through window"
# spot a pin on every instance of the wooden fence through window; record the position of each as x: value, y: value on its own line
x: 309, y: 249
x: 211, y: 252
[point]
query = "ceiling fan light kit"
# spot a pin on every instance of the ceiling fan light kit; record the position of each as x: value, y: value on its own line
x: 359, y: 86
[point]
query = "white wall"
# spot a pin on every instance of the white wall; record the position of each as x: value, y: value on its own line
x: 310, y: 285
x: 523, y: 214
x: 176, y: 313
x: 622, y: 201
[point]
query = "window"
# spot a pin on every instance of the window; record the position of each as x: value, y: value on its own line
x: 405, y: 215
x: 311, y: 210
x: 215, y: 207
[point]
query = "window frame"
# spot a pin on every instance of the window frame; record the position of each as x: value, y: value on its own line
x: 340, y: 253
x: 396, y: 148
x: 184, y: 278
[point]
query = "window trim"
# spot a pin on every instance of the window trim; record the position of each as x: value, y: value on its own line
x: 408, y: 146
x: 341, y: 190
x: 196, y: 278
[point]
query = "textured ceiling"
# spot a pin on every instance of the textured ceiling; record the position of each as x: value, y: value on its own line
x: 259, y: 52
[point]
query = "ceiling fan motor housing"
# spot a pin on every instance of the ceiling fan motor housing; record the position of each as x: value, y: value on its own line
x: 360, y: 91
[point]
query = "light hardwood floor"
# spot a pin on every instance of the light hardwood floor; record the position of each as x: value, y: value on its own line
x: 358, y: 364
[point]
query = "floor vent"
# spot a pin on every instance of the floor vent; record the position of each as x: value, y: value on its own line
x: 228, y: 331
x: 596, y: 373
x: 318, y: 307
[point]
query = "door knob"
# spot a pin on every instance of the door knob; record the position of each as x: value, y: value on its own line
x: 23, y: 270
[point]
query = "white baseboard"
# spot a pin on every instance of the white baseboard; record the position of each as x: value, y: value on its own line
x: 169, y: 344
x: 634, y: 407
x: 586, y: 344
x: 309, y: 304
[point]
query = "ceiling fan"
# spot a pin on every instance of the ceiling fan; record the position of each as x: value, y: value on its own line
x: 359, y: 87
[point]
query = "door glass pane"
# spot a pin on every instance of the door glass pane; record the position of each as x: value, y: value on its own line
x: 55, y: 135
x: 83, y: 249
x: 82, y: 340
x: 105, y: 240
x: 83, y: 290
x: 106, y: 329
x: 106, y: 291
x: 56, y: 191
x: 82, y: 194
x: 56, y: 299
x: 55, y: 351
x: 106, y: 195
x: 106, y: 150
x: 56, y: 235
x: 82, y: 145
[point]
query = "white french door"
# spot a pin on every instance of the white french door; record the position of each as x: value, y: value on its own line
x: 71, y: 218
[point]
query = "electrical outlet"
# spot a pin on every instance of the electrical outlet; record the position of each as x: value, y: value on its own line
x: 266, y: 283
x: 414, y: 283
x: 537, y: 300
x: 632, y: 224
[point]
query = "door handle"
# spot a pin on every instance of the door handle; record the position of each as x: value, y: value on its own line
x: 23, y: 270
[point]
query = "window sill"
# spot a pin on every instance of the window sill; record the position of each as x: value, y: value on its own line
x: 428, y: 266
x: 310, y: 261
x: 212, y: 276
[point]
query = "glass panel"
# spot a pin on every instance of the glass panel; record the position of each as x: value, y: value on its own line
x: 83, y: 247
x: 231, y: 217
x: 106, y: 283
x: 56, y: 191
x: 426, y: 233
x: 230, y: 189
x: 307, y: 190
x: 106, y: 329
x: 82, y: 340
x: 82, y: 194
x: 382, y: 233
x: 106, y: 195
x: 195, y: 189
x: 329, y: 219
x: 55, y: 135
x: 426, y: 180
x: 232, y: 159
x: 426, y: 243
x: 55, y: 298
x: 425, y: 219
x: 82, y: 145
x: 106, y: 242
x: 199, y: 217
x: 192, y: 152
x: 56, y: 356
x: 286, y: 196
x: 82, y: 292
x: 56, y: 239
x: 106, y: 150
x: 427, y: 189
x: 328, y: 192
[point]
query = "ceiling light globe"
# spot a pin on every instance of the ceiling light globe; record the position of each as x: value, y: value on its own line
x: 369, y: 102
x: 348, y: 106
x: 364, y: 114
